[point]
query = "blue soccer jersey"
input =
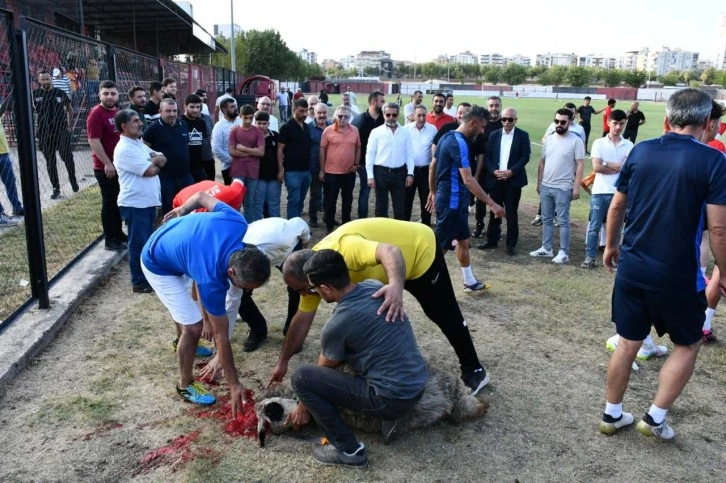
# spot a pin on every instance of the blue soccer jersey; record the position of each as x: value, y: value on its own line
x: 452, y: 153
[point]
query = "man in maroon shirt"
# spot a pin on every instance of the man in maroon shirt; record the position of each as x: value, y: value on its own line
x: 437, y: 116
x: 103, y: 137
x: 247, y: 146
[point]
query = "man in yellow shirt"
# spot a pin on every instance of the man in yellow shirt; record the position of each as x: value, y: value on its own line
x: 401, y: 255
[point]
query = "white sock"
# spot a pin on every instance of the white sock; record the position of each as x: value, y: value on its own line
x: 709, y: 318
x: 603, y: 237
x: 657, y: 413
x: 614, y: 410
x: 469, y: 278
x: 648, y: 341
x: 703, y: 271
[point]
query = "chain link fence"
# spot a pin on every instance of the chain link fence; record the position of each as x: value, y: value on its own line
x: 134, y: 69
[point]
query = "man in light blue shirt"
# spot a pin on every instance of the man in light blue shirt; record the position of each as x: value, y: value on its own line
x: 220, y: 136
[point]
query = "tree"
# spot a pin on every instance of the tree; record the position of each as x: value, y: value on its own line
x: 240, y: 53
x: 557, y: 75
x: 493, y: 75
x: 429, y: 70
x: 671, y: 78
x: 514, y: 74
x: 721, y: 78
x: 269, y: 55
x: 458, y: 73
x: 635, y: 78
x: 708, y: 76
x: 536, y: 71
x: 372, y: 71
x: 579, y: 76
x: 612, y: 77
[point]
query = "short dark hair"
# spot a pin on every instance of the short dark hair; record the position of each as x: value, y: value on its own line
x: 107, y: 84
x: 42, y: 71
x: 247, y: 110
x: 154, y: 86
x: 717, y: 111
x: 465, y: 104
x: 200, y: 92
x: 618, y: 115
x: 124, y: 116
x: 192, y: 99
x: 327, y: 267
x: 449, y: 96
x: 417, y: 92
x: 135, y: 89
x: 564, y: 112
x: 229, y: 90
x: 226, y: 102
x: 496, y: 98
x: 301, y: 103
x: 262, y: 116
x: 373, y: 96
x: 167, y: 81
x: 588, y: 98
x: 250, y: 265
x: 294, y: 263
x: 611, y: 102
x: 570, y: 105
x: 439, y: 94
x: 475, y: 112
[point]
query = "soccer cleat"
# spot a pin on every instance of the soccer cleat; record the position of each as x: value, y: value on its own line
x: 612, y: 343
x: 476, y: 381
x: 195, y: 393
x: 588, y: 263
x: 475, y: 287
x: 202, y: 350
x: 541, y: 252
x: 610, y: 425
x: 708, y: 336
x: 645, y: 353
x: 537, y: 221
x: 648, y: 427
x: 330, y: 455
x: 561, y: 258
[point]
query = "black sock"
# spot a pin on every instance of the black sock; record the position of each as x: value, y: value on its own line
x: 609, y: 419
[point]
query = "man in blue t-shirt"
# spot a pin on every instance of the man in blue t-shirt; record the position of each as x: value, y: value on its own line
x: 173, y: 257
x: 450, y: 181
x: 666, y: 185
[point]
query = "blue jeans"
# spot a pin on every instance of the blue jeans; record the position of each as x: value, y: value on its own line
x: 363, y: 193
x: 555, y: 200
x: 170, y: 186
x: 297, y: 183
x: 140, y: 222
x: 599, y: 205
x: 252, y: 206
x: 8, y: 177
x: 269, y: 192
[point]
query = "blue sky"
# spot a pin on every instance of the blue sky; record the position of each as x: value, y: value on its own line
x: 528, y: 27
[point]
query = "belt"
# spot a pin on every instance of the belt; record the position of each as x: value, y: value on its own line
x: 390, y: 170
x: 419, y: 168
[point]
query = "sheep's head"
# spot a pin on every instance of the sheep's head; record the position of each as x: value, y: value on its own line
x: 272, y: 415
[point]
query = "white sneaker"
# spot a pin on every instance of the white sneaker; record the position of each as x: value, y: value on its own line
x: 561, y: 258
x: 610, y: 426
x: 612, y: 343
x: 541, y: 252
x: 662, y: 430
x: 654, y: 350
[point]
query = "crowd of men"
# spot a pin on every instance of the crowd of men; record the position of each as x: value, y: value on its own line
x: 149, y: 156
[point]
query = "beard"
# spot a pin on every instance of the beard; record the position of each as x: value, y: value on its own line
x: 391, y: 123
x: 232, y: 115
x: 560, y: 130
x: 438, y: 109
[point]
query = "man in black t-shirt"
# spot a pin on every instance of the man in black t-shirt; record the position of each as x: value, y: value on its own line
x: 151, y: 108
x: 293, y: 153
x: 636, y: 118
x: 197, y: 134
x: 269, y: 187
x: 585, y: 112
x: 55, y: 116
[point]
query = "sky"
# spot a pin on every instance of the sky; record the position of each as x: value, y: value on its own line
x: 528, y: 27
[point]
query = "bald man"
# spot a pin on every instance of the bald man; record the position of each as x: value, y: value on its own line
x: 312, y: 102
x: 265, y: 104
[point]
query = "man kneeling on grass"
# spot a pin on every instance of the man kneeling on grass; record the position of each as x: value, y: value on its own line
x: 172, y: 258
x: 390, y: 373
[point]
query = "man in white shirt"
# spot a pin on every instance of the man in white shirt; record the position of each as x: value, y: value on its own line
x: 282, y: 101
x: 558, y: 183
x: 449, y: 107
x: 265, y: 104
x: 408, y: 110
x: 220, y: 136
x: 346, y: 102
x: 140, y: 190
x: 575, y: 127
x: 351, y: 94
x: 422, y: 137
x: 228, y: 94
x: 389, y: 163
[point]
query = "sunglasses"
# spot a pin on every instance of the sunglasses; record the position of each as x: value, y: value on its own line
x: 392, y: 115
x: 561, y: 123
x: 509, y: 119
x: 343, y: 116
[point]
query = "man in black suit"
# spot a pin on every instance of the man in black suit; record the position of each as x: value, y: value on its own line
x: 507, y: 154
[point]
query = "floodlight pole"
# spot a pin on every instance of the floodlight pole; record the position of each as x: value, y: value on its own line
x: 80, y: 17
x: 233, y: 62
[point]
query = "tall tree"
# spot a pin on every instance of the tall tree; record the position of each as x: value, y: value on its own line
x: 612, y: 77
x: 635, y: 78
x: 268, y: 54
x: 557, y: 75
x: 514, y: 74
x: 578, y: 76
x: 494, y: 75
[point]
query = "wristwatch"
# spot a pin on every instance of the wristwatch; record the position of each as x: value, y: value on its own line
x: 604, y: 164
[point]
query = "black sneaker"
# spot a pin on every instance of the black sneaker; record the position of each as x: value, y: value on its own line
x: 487, y: 246
x: 253, y: 341
x: 511, y: 251
x: 478, y: 230
x: 74, y: 186
x: 122, y: 238
x: 56, y: 194
x: 330, y: 455
x: 476, y: 380
x: 20, y: 212
x: 389, y: 430
x: 143, y: 288
x: 313, y: 223
x: 114, y: 246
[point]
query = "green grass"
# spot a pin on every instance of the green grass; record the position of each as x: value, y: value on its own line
x: 68, y: 227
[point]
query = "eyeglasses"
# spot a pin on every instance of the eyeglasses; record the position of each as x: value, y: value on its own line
x: 562, y: 123
x: 343, y: 116
x: 509, y: 119
x: 395, y: 114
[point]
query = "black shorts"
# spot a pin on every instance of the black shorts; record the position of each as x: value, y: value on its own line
x: 681, y: 315
x: 452, y: 224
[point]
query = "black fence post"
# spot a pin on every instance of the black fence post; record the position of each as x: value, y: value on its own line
x: 111, y: 61
x: 29, y: 169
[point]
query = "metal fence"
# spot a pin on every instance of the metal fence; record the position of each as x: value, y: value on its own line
x: 49, y: 82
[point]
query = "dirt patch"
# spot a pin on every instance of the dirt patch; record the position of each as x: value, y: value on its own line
x: 100, y: 403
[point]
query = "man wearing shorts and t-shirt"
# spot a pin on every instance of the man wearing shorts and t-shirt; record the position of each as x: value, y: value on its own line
x: 658, y: 283
x: 172, y: 258
x: 454, y: 182
x: 401, y: 254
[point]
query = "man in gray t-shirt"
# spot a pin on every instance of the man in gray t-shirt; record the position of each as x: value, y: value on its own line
x: 558, y: 183
x: 389, y: 372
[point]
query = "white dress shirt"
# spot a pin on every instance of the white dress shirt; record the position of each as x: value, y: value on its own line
x: 421, y: 140
x: 389, y: 149
x: 505, y: 147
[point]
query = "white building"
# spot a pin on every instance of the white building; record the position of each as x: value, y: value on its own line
x: 518, y: 59
x: 552, y: 59
x: 597, y: 61
x: 670, y: 60
x: 464, y: 58
x: 307, y: 56
x: 721, y: 54
x: 371, y: 58
x: 492, y: 59
x: 225, y: 30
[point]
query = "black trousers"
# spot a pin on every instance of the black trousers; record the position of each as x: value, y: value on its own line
x: 59, y: 140
x: 420, y: 184
x: 435, y: 294
x: 252, y: 316
x: 334, y: 184
x: 504, y: 194
x: 110, y: 214
x: 586, y: 126
x: 209, y: 169
x: 480, y: 212
x: 393, y: 181
x: 226, y: 177
x: 316, y: 194
x: 630, y: 135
